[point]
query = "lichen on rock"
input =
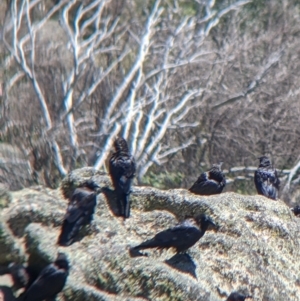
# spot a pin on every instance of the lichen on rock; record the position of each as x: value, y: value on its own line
x: 255, y: 249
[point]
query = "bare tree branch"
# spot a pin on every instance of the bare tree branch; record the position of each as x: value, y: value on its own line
x: 274, y: 59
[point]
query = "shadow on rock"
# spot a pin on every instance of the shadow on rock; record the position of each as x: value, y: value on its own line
x: 183, y: 263
x: 111, y: 199
x: 6, y: 293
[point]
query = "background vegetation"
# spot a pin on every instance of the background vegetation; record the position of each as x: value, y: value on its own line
x: 187, y: 83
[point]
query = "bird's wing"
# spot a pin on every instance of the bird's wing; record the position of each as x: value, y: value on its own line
x: 115, y: 169
x: 50, y: 282
x: 200, y: 181
x: 266, y: 183
x: 180, y: 237
x: 216, y: 175
x: 274, y: 179
x: 206, y: 186
x: 81, y: 194
x: 89, y: 205
x: 124, y: 164
x: 82, y: 202
x: 125, y: 184
x: 212, y: 186
x: 74, y: 212
x: 259, y: 179
x: 127, y: 165
x: 202, y: 178
x: 47, y: 272
x: 122, y: 170
x: 269, y: 176
x: 177, y: 233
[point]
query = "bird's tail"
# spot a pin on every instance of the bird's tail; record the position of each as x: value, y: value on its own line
x: 126, y: 206
x: 68, y: 231
x: 135, y: 251
x: 148, y: 244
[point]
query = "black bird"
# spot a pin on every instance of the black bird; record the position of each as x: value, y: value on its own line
x: 79, y: 212
x: 210, y: 182
x: 296, y: 210
x: 122, y: 171
x: 180, y: 237
x: 50, y: 281
x: 266, y: 179
x: 235, y: 296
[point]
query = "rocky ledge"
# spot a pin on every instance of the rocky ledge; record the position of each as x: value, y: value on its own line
x: 254, y: 250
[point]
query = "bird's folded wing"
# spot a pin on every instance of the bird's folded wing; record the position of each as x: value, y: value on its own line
x: 216, y: 175
x: 50, y: 282
x: 73, y: 213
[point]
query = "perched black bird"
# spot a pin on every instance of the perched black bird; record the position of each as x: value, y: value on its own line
x: 50, y: 281
x: 296, y: 210
x: 181, y: 237
x: 79, y: 212
x: 210, y: 182
x: 122, y: 170
x: 266, y: 179
x: 235, y: 296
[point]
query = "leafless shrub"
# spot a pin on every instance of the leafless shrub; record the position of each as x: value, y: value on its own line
x: 186, y: 83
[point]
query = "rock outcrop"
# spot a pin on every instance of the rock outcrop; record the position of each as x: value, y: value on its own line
x: 254, y: 250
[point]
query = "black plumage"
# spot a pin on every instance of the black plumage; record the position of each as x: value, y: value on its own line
x: 296, y: 210
x: 122, y: 169
x: 210, y: 182
x: 50, y: 281
x: 266, y: 180
x: 236, y: 296
x: 79, y: 212
x: 180, y: 237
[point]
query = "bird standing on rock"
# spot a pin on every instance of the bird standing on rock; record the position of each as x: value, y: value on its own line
x: 79, y: 212
x: 236, y: 296
x: 122, y: 171
x: 296, y: 210
x: 180, y: 237
x: 266, y: 179
x: 50, y: 281
x: 210, y: 182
